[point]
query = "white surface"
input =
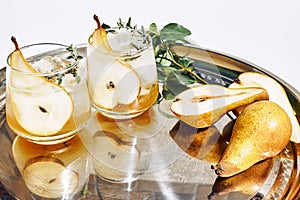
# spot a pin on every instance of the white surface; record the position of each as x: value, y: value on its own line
x: 265, y: 32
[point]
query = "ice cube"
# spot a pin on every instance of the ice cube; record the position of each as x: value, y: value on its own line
x: 48, y: 64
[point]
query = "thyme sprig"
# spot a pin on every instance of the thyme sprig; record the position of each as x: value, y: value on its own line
x: 133, y: 28
x: 72, y: 67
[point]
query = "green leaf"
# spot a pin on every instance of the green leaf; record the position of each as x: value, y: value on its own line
x: 168, y: 70
x: 176, y: 83
x: 185, y: 62
x: 183, y: 79
x: 173, y: 32
x: 153, y: 28
x: 105, y: 26
x: 167, y: 94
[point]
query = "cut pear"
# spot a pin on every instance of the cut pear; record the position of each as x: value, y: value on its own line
x: 99, y: 36
x: 40, y: 106
x: 49, y: 178
x: 275, y: 92
x: 203, y: 105
x: 118, y: 85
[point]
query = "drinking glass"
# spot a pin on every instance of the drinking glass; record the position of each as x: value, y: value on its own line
x: 122, y: 81
x: 47, y: 99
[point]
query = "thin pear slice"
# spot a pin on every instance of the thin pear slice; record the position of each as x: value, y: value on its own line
x: 118, y: 85
x: 275, y: 92
x: 49, y: 178
x: 203, y: 105
x: 99, y: 36
x: 40, y: 106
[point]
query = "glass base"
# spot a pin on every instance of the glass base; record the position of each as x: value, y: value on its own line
x: 117, y: 115
x: 113, y: 175
x: 49, y: 140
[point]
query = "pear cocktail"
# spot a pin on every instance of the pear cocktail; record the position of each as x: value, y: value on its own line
x: 122, y: 77
x: 46, y: 94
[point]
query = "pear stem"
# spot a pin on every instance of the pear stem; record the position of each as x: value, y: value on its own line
x: 98, y: 21
x: 14, y: 40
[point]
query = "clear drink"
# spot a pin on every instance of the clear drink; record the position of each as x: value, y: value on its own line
x: 47, y: 100
x: 122, y: 79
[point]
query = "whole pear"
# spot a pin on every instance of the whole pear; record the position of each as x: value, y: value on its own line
x: 261, y: 131
x: 247, y: 182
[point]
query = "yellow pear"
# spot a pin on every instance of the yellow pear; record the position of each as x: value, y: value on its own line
x: 275, y: 92
x: 40, y: 106
x: 261, y: 131
x: 247, y: 182
x: 203, y: 105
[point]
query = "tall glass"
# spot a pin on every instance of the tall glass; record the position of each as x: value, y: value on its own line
x: 122, y: 81
x: 47, y: 99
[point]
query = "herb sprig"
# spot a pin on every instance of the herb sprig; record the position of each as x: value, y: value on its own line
x: 133, y: 28
x: 174, y: 73
x: 72, y: 67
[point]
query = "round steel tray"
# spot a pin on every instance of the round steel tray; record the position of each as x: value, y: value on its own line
x: 186, y: 177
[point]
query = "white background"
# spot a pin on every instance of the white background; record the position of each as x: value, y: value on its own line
x: 265, y: 32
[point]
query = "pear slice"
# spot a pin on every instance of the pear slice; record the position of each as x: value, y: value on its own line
x: 40, y: 106
x: 48, y: 177
x: 275, y: 92
x: 118, y: 85
x: 203, y: 105
x: 99, y: 36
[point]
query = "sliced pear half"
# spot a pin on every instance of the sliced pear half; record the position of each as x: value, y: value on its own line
x: 203, y: 105
x: 275, y: 92
x: 40, y: 106
x: 49, y: 178
x: 118, y: 85
x: 99, y: 36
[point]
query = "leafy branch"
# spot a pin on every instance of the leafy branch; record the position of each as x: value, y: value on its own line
x: 174, y: 73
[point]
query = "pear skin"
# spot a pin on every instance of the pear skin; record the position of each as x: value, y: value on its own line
x: 247, y: 182
x: 276, y: 93
x: 261, y: 131
x: 99, y: 36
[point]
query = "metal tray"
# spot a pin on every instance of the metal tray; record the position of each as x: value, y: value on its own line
x: 184, y: 177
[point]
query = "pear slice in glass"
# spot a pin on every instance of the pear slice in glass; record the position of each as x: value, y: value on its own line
x: 40, y: 106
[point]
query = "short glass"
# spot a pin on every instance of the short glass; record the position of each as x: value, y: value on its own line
x: 122, y: 82
x: 47, y: 99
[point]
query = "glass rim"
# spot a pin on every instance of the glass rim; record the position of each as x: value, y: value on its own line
x: 41, y: 55
x: 128, y: 54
